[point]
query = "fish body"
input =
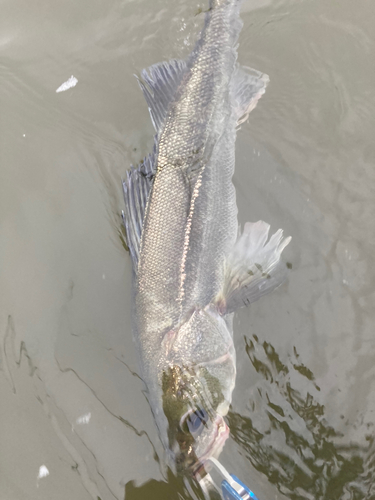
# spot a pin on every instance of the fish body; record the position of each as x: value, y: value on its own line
x: 192, y: 269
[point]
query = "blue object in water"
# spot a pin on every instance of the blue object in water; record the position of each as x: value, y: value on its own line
x: 237, y: 490
x: 231, y: 487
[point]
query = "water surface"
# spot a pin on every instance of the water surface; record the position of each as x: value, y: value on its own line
x: 71, y: 400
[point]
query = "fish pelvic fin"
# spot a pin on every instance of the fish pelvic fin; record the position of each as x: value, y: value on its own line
x: 247, y: 87
x: 253, y: 268
x: 159, y: 84
x: 136, y: 188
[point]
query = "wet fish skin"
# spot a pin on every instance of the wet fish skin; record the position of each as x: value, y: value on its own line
x: 191, y: 270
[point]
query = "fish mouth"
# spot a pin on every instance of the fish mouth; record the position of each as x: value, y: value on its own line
x: 217, y: 444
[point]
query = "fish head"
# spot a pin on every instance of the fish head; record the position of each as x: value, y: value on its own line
x: 197, y: 388
x: 196, y: 427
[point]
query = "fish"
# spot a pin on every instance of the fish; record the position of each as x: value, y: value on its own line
x: 192, y: 266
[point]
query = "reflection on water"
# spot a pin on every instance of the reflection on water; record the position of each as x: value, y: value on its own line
x: 172, y: 488
x: 287, y: 438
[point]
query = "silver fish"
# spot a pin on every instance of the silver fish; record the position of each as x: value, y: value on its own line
x: 192, y: 268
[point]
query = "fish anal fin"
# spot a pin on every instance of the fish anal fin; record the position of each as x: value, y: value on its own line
x: 247, y: 87
x: 136, y: 187
x: 253, y: 268
x: 159, y: 84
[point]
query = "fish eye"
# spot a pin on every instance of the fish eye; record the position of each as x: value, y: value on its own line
x: 195, y: 421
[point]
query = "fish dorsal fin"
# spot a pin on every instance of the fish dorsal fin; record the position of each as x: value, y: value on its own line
x: 247, y: 87
x: 159, y: 83
x: 253, y: 268
x: 137, y: 186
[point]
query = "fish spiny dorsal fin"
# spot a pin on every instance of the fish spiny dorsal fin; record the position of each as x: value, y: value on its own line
x: 159, y: 84
x: 247, y: 87
x: 136, y: 187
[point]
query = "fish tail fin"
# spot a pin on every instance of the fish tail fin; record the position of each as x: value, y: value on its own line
x: 214, y: 4
x: 253, y: 268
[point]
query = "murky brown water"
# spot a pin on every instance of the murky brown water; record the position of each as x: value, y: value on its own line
x: 302, y: 419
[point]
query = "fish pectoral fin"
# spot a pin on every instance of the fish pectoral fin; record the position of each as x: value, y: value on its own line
x: 253, y: 268
x: 136, y: 187
x: 247, y: 87
x: 159, y: 84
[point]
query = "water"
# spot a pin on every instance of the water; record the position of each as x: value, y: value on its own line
x: 74, y: 420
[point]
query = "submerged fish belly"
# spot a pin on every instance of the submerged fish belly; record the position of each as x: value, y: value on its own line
x: 160, y: 256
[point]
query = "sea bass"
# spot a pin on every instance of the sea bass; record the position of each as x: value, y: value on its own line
x: 192, y: 267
